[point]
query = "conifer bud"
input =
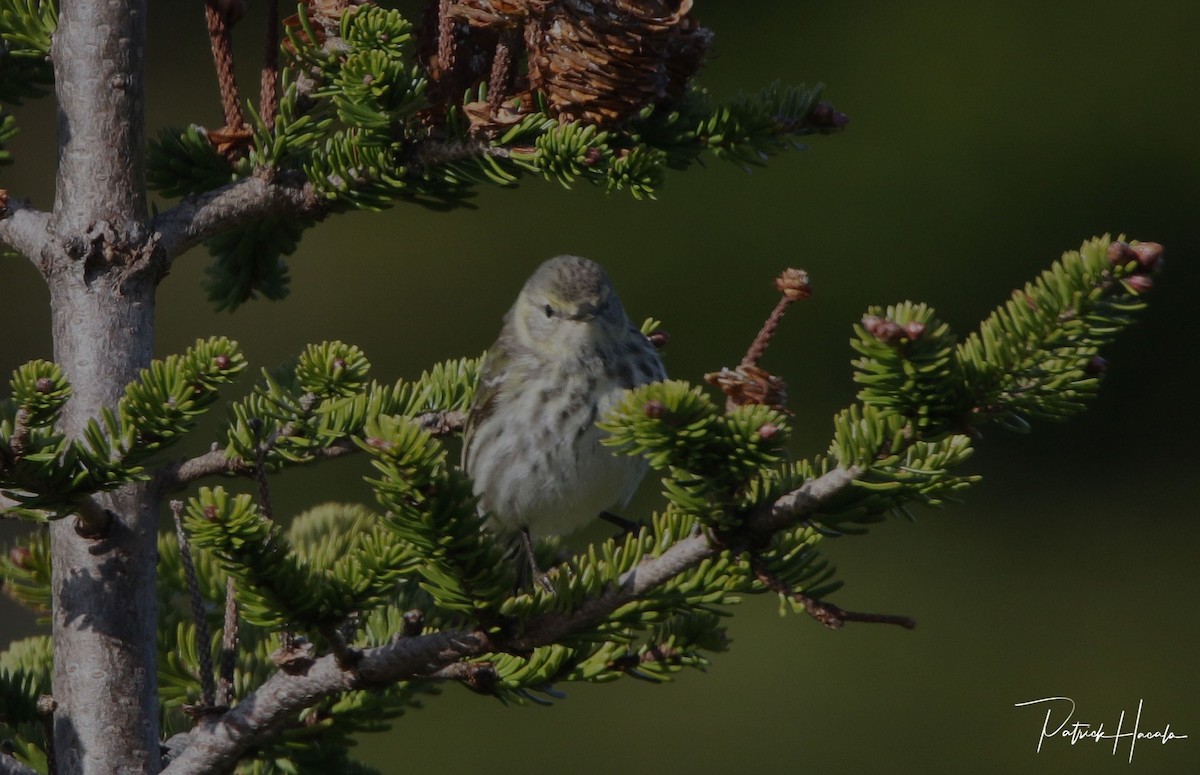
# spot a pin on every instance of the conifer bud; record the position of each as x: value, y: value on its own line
x: 20, y: 556
x: 655, y: 410
x: 1149, y: 255
x: 1095, y: 366
x: 767, y: 431
x: 1119, y: 253
x: 886, y: 331
x: 914, y: 329
x: 44, y: 385
x: 222, y: 362
x: 1139, y: 283
x: 658, y: 338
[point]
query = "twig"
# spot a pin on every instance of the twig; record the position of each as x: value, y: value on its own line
x: 221, y: 38
x: 268, y: 99
x: 824, y: 612
x: 197, y: 218
x: 442, y: 423
x: 501, y: 73
x: 793, y: 285
x: 347, y: 656
x: 215, y: 462
x: 208, y: 693
x: 229, y: 636
x: 260, y: 478
x: 445, y: 41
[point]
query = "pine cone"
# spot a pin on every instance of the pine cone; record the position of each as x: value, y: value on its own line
x: 603, y: 61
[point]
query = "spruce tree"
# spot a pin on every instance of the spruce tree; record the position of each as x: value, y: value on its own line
x: 249, y: 639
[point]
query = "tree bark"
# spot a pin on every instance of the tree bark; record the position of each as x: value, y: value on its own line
x: 98, y: 266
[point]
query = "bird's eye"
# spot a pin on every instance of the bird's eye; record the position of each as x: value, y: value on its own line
x: 548, y: 310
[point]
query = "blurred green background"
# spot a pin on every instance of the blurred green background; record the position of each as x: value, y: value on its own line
x: 984, y: 140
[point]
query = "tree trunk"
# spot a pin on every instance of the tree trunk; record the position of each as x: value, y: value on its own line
x: 102, y: 299
x: 105, y: 601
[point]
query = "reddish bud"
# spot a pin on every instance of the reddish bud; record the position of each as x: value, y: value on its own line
x: 1149, y: 255
x: 222, y: 362
x: 654, y: 409
x: 339, y: 364
x: 767, y: 431
x: 1139, y: 283
x: 414, y: 623
x: 1095, y: 366
x: 1119, y: 254
x: 914, y: 329
x: 592, y: 157
x: 210, y: 513
x: 20, y: 556
x: 658, y: 338
x: 825, y: 115
x: 44, y: 385
x: 886, y: 331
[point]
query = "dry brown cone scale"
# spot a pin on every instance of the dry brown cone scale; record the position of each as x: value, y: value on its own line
x: 597, y: 61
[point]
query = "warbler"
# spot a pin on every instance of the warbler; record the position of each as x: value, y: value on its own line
x: 567, y: 353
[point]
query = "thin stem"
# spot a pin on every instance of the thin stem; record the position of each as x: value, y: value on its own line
x: 826, y: 613
x: 793, y: 285
x: 221, y: 38
x: 268, y: 101
x: 216, y: 463
x: 229, y: 637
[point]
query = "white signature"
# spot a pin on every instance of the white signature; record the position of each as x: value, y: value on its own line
x: 1078, y: 731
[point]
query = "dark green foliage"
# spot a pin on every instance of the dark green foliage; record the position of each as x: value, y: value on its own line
x: 25, y: 574
x: 348, y: 573
x: 46, y: 474
x: 25, y: 68
x: 25, y: 670
x: 430, y: 507
x: 295, y: 580
x: 908, y: 367
x: 183, y: 162
x: 1034, y: 356
x: 710, y: 456
x: 25, y: 30
x: 358, y: 119
x: 8, y: 130
x: 249, y: 261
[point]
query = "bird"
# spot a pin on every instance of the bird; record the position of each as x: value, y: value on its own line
x: 566, y: 354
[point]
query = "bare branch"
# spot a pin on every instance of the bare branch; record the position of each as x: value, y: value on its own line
x: 215, y: 462
x: 26, y: 230
x: 198, y: 218
x: 217, y: 743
